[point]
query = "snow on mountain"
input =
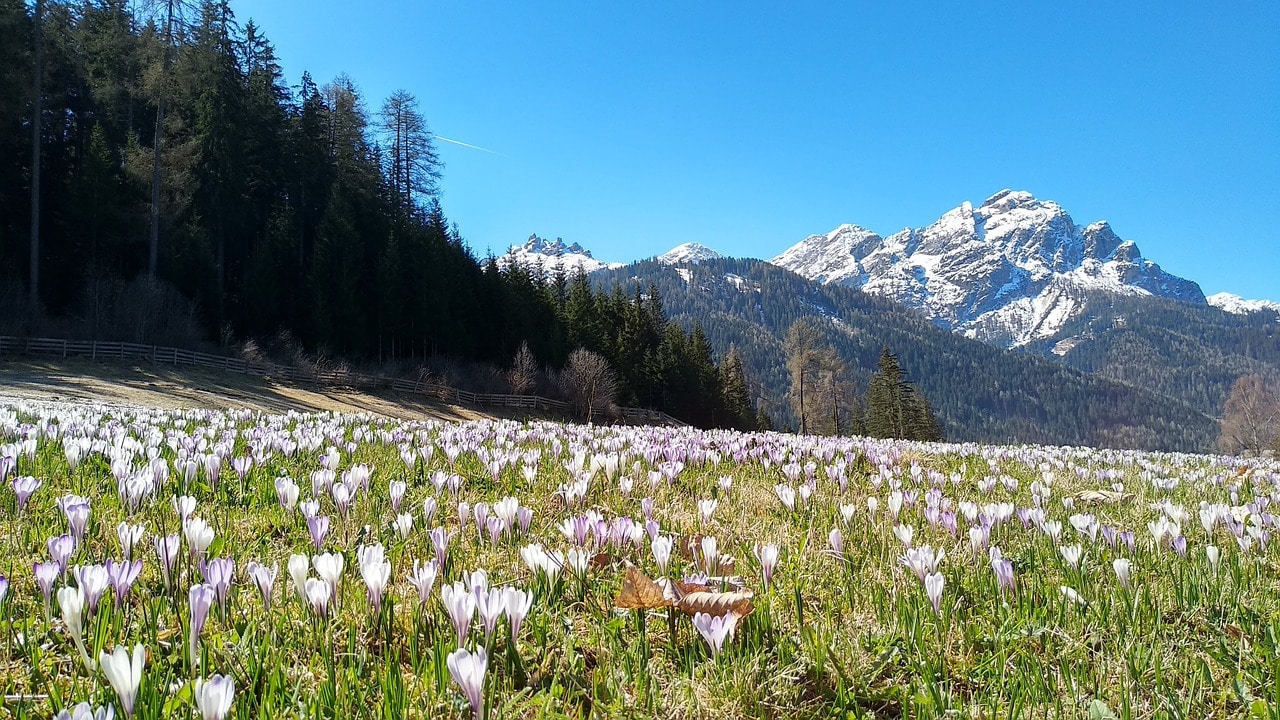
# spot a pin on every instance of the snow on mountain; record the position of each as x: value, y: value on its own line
x: 1239, y: 306
x: 690, y: 252
x: 552, y: 254
x: 1009, y: 272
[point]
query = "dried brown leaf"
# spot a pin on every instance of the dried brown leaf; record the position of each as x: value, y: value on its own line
x: 638, y: 592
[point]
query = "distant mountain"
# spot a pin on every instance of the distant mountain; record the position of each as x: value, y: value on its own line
x: 980, y: 392
x: 688, y: 253
x: 1009, y: 272
x: 553, y: 254
x: 1239, y: 306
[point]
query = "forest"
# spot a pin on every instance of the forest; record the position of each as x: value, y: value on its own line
x: 177, y: 191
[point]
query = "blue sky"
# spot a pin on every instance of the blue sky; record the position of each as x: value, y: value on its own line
x: 633, y: 127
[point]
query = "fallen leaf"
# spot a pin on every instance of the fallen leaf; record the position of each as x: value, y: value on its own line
x: 638, y: 592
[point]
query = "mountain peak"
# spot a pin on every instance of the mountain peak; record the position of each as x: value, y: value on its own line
x: 552, y: 255
x: 1237, y: 305
x: 1011, y: 271
x: 690, y: 252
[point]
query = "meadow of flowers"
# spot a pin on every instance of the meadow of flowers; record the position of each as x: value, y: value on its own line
x: 161, y: 564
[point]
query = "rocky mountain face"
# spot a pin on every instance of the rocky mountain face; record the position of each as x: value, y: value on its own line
x: 1009, y: 272
x: 552, y: 255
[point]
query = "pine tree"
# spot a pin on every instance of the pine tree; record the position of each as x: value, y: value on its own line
x: 740, y: 412
x: 895, y: 409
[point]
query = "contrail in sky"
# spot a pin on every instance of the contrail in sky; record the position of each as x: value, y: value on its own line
x: 467, y: 145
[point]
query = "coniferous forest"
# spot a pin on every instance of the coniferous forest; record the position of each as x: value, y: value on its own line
x: 188, y: 195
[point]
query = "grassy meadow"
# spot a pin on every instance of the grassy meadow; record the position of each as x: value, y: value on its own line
x: 205, y: 564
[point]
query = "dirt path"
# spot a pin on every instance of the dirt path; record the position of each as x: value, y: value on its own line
x: 142, y: 383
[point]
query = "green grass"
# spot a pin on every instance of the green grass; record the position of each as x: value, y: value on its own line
x: 833, y: 636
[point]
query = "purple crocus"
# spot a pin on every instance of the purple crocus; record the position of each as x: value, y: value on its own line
x: 122, y: 576
x: 219, y: 573
x: 715, y: 629
x: 167, y: 551
x: 200, y: 598
x: 263, y: 578
x: 60, y: 549
x: 23, y: 487
x: 318, y: 526
x: 440, y: 541
x: 46, y: 575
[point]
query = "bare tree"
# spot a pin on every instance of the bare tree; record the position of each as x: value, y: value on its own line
x: 523, y: 375
x: 1251, y: 417
x: 411, y: 159
x: 589, y: 382
x: 804, y: 361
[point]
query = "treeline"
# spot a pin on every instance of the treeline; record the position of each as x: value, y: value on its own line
x: 187, y: 194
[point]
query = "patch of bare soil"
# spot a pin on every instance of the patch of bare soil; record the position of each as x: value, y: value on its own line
x: 160, y: 386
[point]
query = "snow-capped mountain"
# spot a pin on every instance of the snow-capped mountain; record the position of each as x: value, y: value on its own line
x: 553, y: 254
x: 690, y: 252
x: 1239, y: 306
x: 1009, y: 272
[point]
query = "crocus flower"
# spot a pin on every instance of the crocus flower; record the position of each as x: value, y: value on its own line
x: 1123, y: 568
x: 403, y: 525
x: 199, y: 599
x: 299, y: 566
x: 263, y: 578
x: 1003, y: 570
x: 440, y: 541
x: 787, y: 495
x: 1211, y: 552
x: 85, y: 711
x: 423, y: 578
x: 214, y: 696
x: 767, y: 555
x: 376, y: 572
x: 396, y: 492
x: 706, y: 507
x: 428, y: 509
x: 490, y: 604
x: 517, y: 603
x: 460, y: 604
x: 710, y: 554
x: 93, y: 580
x: 199, y: 536
x: 23, y: 487
x: 933, y: 585
x: 124, y: 672
x: 184, y: 506
x: 77, y: 518
x: 318, y: 594
x: 60, y: 549
x: 287, y: 492
x: 1071, y: 554
x: 46, y: 575
x: 122, y: 576
x: 329, y: 567
x: 220, y: 573
x: 467, y: 669
x: 836, y: 540
x: 318, y: 526
x: 714, y: 629
x: 661, y: 547
x: 904, y: 533
x: 71, y: 601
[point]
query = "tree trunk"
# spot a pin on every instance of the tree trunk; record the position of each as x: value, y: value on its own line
x: 37, y: 111
x: 154, y: 251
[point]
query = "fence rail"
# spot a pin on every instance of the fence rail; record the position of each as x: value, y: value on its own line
x: 96, y: 349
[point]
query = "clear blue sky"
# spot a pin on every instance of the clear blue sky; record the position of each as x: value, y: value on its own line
x: 633, y: 127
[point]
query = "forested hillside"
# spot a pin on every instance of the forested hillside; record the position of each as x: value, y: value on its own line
x: 188, y: 195
x: 979, y: 392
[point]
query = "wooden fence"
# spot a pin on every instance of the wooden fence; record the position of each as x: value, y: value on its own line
x: 95, y: 349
